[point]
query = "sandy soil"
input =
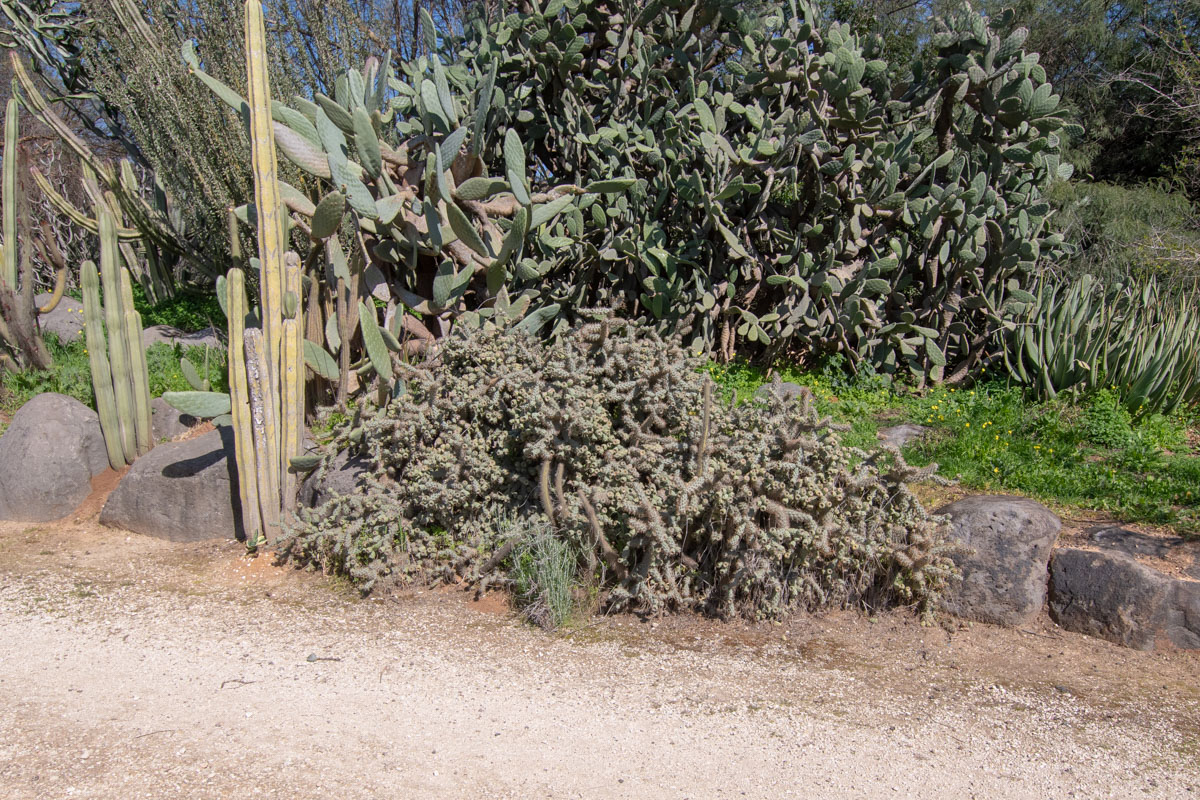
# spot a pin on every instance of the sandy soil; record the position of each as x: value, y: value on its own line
x: 132, y: 668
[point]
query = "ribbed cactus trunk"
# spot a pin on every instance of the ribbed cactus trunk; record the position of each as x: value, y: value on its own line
x: 97, y: 349
x: 139, y: 373
x: 272, y: 360
x: 266, y: 186
x: 239, y: 398
x: 120, y: 377
x: 114, y: 323
x: 9, y: 271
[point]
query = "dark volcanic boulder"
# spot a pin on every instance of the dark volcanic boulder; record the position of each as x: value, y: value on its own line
x: 1007, y: 543
x: 342, y: 476
x: 1111, y: 596
x: 182, y: 491
x: 48, y: 456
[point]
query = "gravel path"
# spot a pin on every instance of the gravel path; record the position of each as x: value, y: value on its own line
x: 169, y: 672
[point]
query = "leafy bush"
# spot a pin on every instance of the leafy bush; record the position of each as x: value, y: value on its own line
x: 993, y: 439
x: 1143, y: 232
x: 70, y: 374
x: 189, y: 310
x: 166, y: 375
x: 613, y: 437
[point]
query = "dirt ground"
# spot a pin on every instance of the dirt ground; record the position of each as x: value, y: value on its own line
x: 132, y: 667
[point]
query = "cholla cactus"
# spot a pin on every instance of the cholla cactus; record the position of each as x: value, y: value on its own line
x: 613, y: 437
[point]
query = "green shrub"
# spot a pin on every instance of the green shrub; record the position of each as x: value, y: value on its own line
x: 162, y: 362
x: 1106, y: 421
x: 71, y: 373
x: 613, y: 437
x: 1120, y: 232
x: 189, y: 310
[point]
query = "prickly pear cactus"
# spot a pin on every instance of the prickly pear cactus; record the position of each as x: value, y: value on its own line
x: 792, y: 187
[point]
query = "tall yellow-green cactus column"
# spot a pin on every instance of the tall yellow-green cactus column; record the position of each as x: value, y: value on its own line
x: 239, y: 400
x: 266, y: 185
x: 291, y: 376
x: 9, y: 272
x: 281, y: 378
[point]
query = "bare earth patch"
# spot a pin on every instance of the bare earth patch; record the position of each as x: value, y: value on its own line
x: 132, y: 667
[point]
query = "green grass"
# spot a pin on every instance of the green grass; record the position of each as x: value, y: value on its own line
x: 189, y: 310
x: 71, y: 374
x: 1085, y: 453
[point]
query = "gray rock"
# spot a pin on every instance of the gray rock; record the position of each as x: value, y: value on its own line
x: 1183, y: 615
x: 1007, y: 543
x: 165, y: 333
x: 342, y: 476
x: 783, y: 389
x: 168, y: 422
x: 1111, y: 596
x: 48, y: 456
x: 66, y: 320
x: 1132, y: 543
x: 900, y: 435
x: 183, y: 491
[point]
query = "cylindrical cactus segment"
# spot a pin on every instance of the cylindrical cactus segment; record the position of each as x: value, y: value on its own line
x: 114, y: 322
x: 97, y: 348
x: 243, y: 430
x: 262, y: 418
x: 9, y: 272
x: 139, y: 374
x: 292, y: 381
x: 266, y: 191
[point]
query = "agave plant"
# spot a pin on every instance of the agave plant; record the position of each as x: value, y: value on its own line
x: 1141, y: 341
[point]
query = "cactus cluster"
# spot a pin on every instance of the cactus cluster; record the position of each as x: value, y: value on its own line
x: 613, y: 437
x: 1142, y: 342
x: 153, y: 221
x: 120, y: 378
x: 793, y: 189
x: 21, y: 343
x: 398, y: 206
x: 266, y: 401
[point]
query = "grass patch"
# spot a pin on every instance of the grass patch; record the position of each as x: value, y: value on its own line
x: 1085, y: 452
x: 71, y: 373
x: 544, y: 569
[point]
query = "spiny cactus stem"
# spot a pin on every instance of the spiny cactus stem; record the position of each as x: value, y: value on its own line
x: 262, y: 418
x: 138, y: 370
x: 114, y: 322
x: 9, y: 272
x: 243, y: 437
x: 102, y: 384
x: 266, y: 191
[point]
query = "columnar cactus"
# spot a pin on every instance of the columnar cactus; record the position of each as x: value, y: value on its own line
x: 21, y: 344
x: 266, y: 365
x: 118, y: 361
